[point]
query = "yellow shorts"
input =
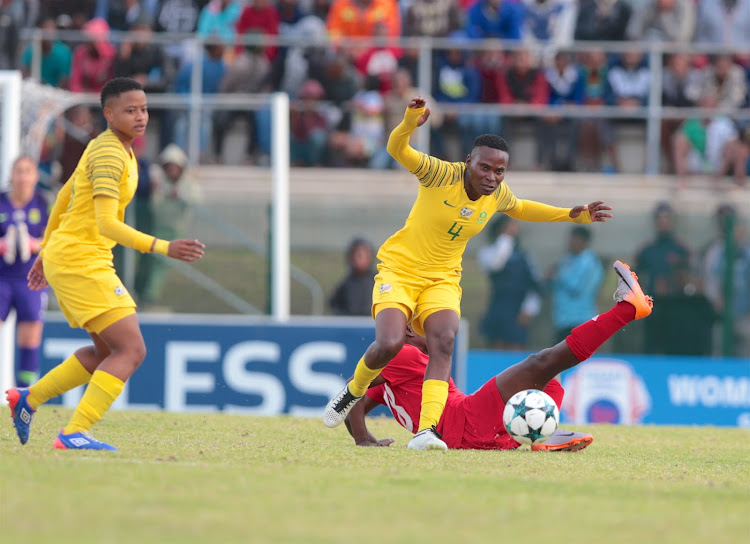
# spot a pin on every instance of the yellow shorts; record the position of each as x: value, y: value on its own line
x: 87, y: 293
x: 421, y: 297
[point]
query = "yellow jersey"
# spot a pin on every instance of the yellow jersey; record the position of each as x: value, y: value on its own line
x: 106, y: 168
x: 443, y: 218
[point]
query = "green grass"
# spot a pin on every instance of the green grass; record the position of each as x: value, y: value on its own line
x: 220, y: 478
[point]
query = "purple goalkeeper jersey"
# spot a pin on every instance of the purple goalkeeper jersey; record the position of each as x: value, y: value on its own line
x: 34, y: 215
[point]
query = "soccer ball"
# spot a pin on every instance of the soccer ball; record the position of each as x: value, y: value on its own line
x: 531, y: 416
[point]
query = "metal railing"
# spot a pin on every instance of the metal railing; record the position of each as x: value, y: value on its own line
x: 652, y: 114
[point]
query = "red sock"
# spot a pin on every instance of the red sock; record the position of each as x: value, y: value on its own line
x: 585, y: 339
x: 555, y: 390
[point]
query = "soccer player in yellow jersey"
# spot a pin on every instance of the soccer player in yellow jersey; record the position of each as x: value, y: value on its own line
x: 420, y: 266
x: 76, y: 259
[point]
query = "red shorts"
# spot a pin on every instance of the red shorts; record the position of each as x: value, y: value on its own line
x: 483, y: 418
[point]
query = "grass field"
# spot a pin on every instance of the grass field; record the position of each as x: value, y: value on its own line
x: 219, y: 478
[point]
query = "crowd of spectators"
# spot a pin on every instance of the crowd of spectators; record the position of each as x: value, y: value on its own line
x: 341, y: 90
x: 687, y: 284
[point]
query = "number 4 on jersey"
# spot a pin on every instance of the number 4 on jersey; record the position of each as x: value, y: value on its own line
x: 453, y: 232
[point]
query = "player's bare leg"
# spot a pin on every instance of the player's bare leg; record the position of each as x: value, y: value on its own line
x: 440, y: 330
x: 92, y: 356
x: 390, y: 334
x: 73, y: 372
x: 126, y: 346
x: 538, y: 369
x: 127, y: 350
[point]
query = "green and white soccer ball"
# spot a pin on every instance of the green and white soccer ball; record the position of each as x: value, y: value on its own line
x: 531, y: 416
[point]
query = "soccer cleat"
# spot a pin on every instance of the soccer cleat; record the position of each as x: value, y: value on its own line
x: 11, y: 245
x: 564, y: 441
x: 80, y: 441
x: 24, y: 245
x: 338, y: 407
x: 629, y: 290
x: 428, y: 439
x: 20, y: 411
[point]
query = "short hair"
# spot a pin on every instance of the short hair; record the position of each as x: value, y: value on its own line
x: 491, y: 140
x: 115, y: 87
x: 663, y: 208
x: 581, y: 232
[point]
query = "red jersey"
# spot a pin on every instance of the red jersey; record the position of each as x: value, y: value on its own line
x: 469, y: 421
x: 402, y: 394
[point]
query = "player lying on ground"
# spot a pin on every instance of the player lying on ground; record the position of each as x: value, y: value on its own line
x: 476, y: 421
x: 85, y: 224
x: 419, y: 274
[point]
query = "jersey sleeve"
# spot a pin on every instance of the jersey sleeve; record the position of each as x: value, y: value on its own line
x: 105, y: 209
x: 431, y: 171
x: 529, y: 210
x: 60, y: 205
x: 105, y: 168
x: 506, y: 200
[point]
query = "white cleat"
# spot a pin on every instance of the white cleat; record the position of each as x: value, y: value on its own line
x: 428, y: 439
x: 338, y: 408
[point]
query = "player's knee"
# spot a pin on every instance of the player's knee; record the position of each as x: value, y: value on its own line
x: 442, y: 342
x: 135, y: 353
x: 388, y: 348
x: 139, y: 353
x: 540, y: 360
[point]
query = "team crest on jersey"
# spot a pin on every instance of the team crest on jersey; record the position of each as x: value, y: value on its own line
x: 119, y: 290
x: 466, y: 212
x: 35, y: 216
x: 385, y: 288
x: 482, y: 218
x: 3, y: 217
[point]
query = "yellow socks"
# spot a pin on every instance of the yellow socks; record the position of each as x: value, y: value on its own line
x: 66, y: 376
x: 101, y: 392
x: 434, y: 395
x: 363, y: 376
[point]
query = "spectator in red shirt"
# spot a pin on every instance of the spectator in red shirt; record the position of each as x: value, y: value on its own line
x: 380, y: 61
x: 93, y: 61
x: 260, y: 17
x: 523, y: 83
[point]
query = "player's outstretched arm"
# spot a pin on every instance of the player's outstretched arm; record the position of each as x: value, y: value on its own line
x: 185, y: 250
x: 357, y: 426
x: 398, y: 142
x: 597, y: 211
x: 529, y: 210
x: 105, y: 209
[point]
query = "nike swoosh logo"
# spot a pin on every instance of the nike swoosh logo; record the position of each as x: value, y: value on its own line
x: 447, y: 204
x: 564, y: 433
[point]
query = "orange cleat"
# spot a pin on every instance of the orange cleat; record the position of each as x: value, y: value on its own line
x: 564, y: 441
x: 629, y: 290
